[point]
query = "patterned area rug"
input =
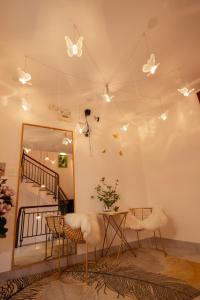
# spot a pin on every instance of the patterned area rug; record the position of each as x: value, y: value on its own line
x: 158, y: 278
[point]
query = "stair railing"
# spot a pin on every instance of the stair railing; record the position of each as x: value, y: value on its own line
x: 36, y: 172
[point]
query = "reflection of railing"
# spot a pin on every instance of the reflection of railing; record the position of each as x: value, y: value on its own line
x: 40, y: 174
x: 31, y: 222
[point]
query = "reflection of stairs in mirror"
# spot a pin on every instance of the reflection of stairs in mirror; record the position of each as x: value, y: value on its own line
x: 45, y: 180
x: 40, y: 195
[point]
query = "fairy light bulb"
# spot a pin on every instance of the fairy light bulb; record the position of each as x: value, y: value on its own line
x: 38, y: 217
x: 164, y: 116
x: 24, y: 78
x: 25, y: 105
x: 185, y: 91
x: 125, y: 127
x: 107, y: 95
x: 46, y: 158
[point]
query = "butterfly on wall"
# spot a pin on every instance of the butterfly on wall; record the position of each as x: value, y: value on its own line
x: 150, y: 67
x: 74, y: 49
x: 24, y: 77
x: 185, y: 91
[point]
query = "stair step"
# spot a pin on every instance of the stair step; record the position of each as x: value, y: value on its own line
x: 35, y: 185
x: 50, y: 193
x: 28, y: 181
x: 43, y: 189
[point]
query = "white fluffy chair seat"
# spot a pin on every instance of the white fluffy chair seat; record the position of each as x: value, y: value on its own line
x: 151, y: 219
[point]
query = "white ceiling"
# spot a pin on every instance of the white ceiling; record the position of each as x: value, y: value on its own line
x: 114, y: 51
x: 46, y: 139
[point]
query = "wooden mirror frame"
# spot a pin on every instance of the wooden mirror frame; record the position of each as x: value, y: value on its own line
x: 13, y: 266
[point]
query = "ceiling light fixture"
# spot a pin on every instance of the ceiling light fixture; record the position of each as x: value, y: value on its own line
x: 107, y: 95
x: 150, y: 67
x: 24, y: 78
x: 185, y: 91
x: 74, y: 49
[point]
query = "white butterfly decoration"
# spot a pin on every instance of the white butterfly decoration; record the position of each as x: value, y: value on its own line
x: 27, y: 150
x: 66, y: 141
x: 74, y: 49
x: 107, y: 95
x: 164, y: 116
x: 24, y: 77
x: 185, y: 91
x: 151, y: 67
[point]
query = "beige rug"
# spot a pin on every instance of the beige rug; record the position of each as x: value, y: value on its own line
x: 150, y: 276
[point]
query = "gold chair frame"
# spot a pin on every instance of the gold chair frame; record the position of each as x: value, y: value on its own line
x: 142, y: 213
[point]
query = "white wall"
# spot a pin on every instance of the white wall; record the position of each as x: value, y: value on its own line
x: 89, y: 168
x: 171, y: 159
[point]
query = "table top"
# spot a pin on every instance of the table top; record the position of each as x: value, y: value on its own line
x: 113, y: 213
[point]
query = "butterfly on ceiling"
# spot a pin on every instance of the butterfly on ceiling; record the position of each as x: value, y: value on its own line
x: 24, y: 77
x: 74, y: 49
x: 185, y: 91
x: 150, y: 67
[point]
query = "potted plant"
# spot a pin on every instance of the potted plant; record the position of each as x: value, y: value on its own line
x: 107, y: 194
x: 5, y: 205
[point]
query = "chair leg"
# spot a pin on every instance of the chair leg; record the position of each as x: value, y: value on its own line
x: 162, y: 243
x: 138, y: 239
x: 52, y: 241
x: 86, y: 264
x: 155, y: 239
x: 95, y: 255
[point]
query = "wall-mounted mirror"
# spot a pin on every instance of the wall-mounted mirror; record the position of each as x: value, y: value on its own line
x: 46, y: 188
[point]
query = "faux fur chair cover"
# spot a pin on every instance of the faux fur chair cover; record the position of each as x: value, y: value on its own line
x: 155, y: 220
x: 89, y: 225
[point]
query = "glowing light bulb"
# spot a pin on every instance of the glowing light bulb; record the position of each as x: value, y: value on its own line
x: 24, y: 78
x: 66, y: 141
x: 47, y: 158
x: 164, y: 116
x: 80, y: 128
x: 53, y: 161
x: 125, y: 127
x: 107, y: 95
x: 25, y: 105
x: 185, y: 91
x: 42, y: 186
x: 74, y: 49
x: 27, y: 150
x: 38, y: 217
x: 150, y: 67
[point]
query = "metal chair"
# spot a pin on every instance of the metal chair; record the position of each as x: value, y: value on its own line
x: 54, y: 226
x: 76, y: 236
x: 142, y: 213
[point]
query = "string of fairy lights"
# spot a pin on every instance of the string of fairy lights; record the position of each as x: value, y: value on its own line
x: 75, y: 49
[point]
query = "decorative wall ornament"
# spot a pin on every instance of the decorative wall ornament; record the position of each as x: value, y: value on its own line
x: 62, y: 160
x: 150, y: 67
x: 24, y: 77
x: 185, y: 91
x: 74, y: 49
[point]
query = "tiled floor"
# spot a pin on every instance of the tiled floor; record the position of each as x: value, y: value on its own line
x: 30, y: 254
